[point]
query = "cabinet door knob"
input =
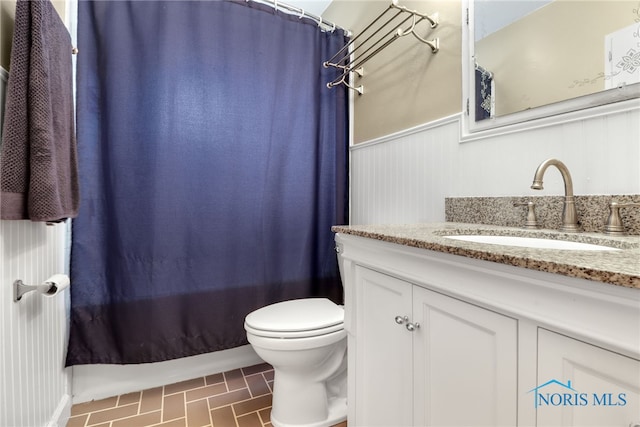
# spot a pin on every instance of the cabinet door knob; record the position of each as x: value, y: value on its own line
x: 412, y: 326
x: 400, y: 320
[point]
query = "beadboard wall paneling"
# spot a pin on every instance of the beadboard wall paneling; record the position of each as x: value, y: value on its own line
x: 404, y: 177
x: 398, y: 179
x: 35, y: 386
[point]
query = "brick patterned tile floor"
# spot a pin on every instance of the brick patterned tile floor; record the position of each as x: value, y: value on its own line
x: 238, y: 398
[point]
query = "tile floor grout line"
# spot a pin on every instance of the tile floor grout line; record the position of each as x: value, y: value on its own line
x: 200, y: 398
x: 262, y: 421
x: 266, y: 381
x: 257, y: 412
x: 162, y: 405
x: 240, y: 401
x: 226, y: 384
x: 184, y: 404
x: 219, y: 382
x: 209, y: 412
x: 244, y: 378
x: 235, y: 417
x: 175, y: 418
x: 108, y: 409
x: 187, y: 389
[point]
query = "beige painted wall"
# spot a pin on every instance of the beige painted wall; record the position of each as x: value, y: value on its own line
x: 7, y: 17
x: 405, y: 85
x: 537, y: 60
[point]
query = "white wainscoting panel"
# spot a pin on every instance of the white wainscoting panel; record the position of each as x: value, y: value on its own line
x: 34, y: 385
x: 399, y: 179
x: 405, y: 177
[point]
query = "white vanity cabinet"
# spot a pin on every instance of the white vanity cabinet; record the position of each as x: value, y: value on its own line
x: 465, y: 363
x: 383, y: 351
x: 430, y: 360
x: 605, y: 384
x: 442, y: 340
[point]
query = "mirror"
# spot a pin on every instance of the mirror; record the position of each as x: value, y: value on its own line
x: 537, y: 58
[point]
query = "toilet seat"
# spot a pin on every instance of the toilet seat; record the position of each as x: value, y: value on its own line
x: 301, y: 318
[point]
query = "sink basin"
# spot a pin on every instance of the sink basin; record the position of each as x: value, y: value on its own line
x: 533, y: 242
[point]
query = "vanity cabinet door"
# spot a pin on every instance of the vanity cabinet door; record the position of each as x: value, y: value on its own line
x: 580, y: 384
x: 465, y: 363
x: 383, y: 368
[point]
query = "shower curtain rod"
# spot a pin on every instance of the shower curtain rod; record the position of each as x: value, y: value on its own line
x: 287, y: 8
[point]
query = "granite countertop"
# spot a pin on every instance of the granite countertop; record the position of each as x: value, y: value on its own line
x: 621, y: 267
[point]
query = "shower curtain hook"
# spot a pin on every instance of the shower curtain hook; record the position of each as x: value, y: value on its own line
x: 320, y: 22
x: 334, y: 28
x: 301, y: 16
x: 275, y: 2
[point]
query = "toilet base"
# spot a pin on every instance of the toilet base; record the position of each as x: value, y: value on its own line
x: 337, y: 414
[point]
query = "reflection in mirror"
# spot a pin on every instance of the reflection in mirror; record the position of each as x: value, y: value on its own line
x: 532, y: 53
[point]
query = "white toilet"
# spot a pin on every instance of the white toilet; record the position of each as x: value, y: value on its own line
x: 305, y: 342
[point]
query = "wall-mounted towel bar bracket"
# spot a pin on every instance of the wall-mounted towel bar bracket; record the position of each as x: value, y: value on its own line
x: 359, y: 72
x: 376, y: 36
x: 433, y: 44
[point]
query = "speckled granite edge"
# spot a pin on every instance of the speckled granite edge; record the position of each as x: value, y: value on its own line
x: 620, y: 268
x: 592, y: 211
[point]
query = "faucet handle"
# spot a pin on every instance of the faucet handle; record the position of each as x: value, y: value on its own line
x: 532, y: 221
x: 614, y: 222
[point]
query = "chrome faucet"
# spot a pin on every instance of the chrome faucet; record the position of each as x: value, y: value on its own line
x: 569, y: 214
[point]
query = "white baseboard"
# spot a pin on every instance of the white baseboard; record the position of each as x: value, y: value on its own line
x: 93, y: 382
x: 62, y: 413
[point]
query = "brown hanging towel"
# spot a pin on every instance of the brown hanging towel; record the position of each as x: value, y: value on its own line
x: 38, y: 161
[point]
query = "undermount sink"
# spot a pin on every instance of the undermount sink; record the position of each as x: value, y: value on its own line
x: 532, y: 242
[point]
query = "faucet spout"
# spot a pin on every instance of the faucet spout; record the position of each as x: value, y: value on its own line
x: 569, y: 213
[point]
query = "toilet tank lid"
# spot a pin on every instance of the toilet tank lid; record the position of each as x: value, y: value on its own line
x: 296, y: 315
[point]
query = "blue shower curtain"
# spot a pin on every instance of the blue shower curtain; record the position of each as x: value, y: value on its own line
x: 213, y: 162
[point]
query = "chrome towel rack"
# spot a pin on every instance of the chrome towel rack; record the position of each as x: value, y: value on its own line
x: 376, y: 36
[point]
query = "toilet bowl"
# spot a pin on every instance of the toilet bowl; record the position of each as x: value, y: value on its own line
x: 305, y: 342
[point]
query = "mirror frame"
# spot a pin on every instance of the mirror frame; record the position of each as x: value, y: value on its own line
x: 623, y: 98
